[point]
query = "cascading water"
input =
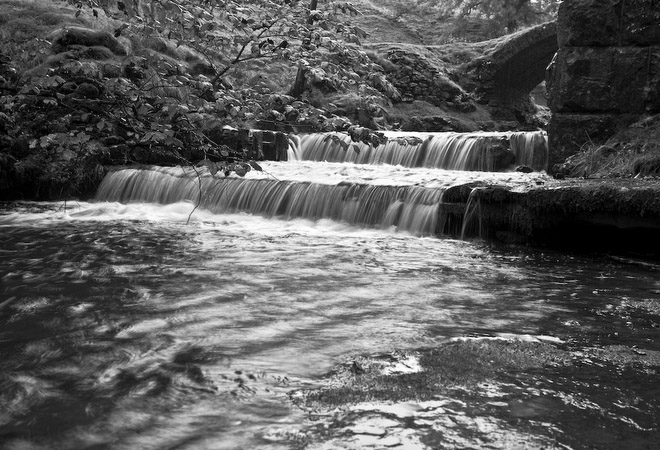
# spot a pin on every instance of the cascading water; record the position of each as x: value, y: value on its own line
x: 451, y: 151
x: 409, y: 208
x: 409, y: 204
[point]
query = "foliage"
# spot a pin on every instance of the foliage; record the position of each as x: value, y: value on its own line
x: 230, y: 33
x: 398, y: 9
x: 189, y: 70
x: 507, y: 15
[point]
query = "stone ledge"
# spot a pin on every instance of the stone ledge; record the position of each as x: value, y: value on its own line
x: 594, y: 214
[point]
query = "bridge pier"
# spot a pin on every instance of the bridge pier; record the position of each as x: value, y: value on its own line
x: 606, y: 74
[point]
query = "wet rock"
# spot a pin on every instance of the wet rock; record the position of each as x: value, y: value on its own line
x: 499, y: 158
x: 461, y: 193
x: 524, y: 169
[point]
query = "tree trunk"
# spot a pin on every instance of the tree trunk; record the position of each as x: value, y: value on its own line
x: 313, y: 4
x: 298, y: 87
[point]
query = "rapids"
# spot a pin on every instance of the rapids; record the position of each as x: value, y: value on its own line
x: 144, y: 320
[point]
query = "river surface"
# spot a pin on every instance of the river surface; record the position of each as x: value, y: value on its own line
x: 139, y: 325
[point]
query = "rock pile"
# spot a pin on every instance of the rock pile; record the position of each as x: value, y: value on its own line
x: 417, y: 79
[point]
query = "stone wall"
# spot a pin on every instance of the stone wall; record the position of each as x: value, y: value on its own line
x: 606, y: 73
x: 417, y: 79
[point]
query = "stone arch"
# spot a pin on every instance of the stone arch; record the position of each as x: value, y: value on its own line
x: 517, y: 65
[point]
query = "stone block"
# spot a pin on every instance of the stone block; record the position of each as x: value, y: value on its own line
x: 605, y: 79
x: 602, y: 23
x: 640, y: 23
x: 588, y: 23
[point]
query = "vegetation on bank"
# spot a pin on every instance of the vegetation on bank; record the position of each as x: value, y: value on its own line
x: 633, y: 152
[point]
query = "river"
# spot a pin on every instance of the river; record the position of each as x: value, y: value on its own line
x: 133, y: 324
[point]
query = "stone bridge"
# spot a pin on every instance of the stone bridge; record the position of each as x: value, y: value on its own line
x: 507, y: 74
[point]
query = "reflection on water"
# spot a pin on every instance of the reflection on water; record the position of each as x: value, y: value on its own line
x: 123, y: 327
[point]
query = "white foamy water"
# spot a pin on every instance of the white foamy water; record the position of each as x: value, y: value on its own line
x: 387, y: 175
x: 148, y: 319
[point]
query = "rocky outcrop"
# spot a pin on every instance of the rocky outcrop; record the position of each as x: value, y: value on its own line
x: 606, y: 73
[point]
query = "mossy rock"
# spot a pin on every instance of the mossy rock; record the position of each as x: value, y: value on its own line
x: 64, y: 38
x: 96, y: 52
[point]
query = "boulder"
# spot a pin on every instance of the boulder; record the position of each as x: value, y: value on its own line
x: 499, y: 158
x: 524, y: 169
x: 72, y: 36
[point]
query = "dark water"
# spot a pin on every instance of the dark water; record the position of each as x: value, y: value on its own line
x: 123, y: 327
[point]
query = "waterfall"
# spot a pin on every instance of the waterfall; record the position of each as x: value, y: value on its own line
x: 414, y: 209
x: 421, y: 208
x: 452, y: 151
